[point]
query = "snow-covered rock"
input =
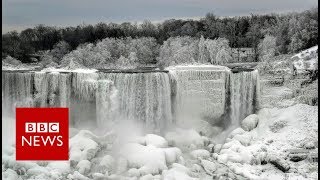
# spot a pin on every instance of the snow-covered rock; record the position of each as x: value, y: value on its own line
x: 77, y: 176
x: 244, y: 139
x: 155, y: 140
x: 98, y: 176
x: 200, y: 153
x: 208, y: 166
x: 279, y: 163
x: 150, y: 177
x: 10, y: 174
x: 186, y: 140
x: 172, y: 155
x: 235, y: 132
x: 83, y: 167
x: 37, y: 170
x: 83, y: 146
x: 177, y: 171
x: 59, y: 166
x: 107, y: 163
x: 250, y: 122
x: 148, y: 159
x: 133, y: 172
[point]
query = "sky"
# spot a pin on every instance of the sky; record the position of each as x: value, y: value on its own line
x: 21, y: 14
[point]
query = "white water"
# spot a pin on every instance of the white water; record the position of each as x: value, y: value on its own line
x: 199, y: 93
x: 143, y: 98
x: 154, y: 100
x: 244, y: 95
x: 17, y: 91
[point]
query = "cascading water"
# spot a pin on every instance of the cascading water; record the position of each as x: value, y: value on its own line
x: 154, y: 100
x: 95, y: 98
x: 17, y: 91
x: 244, y: 95
x: 143, y: 97
x: 106, y: 104
x: 199, y: 93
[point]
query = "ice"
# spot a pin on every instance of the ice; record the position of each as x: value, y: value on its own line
x: 60, y: 166
x: 148, y: 159
x: 250, y: 122
x: 82, y: 146
x: 200, y: 153
x: 209, y: 166
x: 77, y: 176
x: 83, y: 167
x: 185, y: 139
x: 38, y: 170
x: 155, y: 140
x: 107, y: 162
x: 10, y: 174
x: 177, y: 171
x: 172, y: 154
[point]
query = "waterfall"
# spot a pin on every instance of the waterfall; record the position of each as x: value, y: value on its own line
x: 155, y: 100
x: 106, y: 104
x: 244, y: 95
x: 143, y: 97
x: 17, y: 91
x: 65, y: 89
x: 199, y: 93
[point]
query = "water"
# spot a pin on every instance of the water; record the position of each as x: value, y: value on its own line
x: 154, y: 100
x: 143, y: 97
x: 244, y: 95
x: 199, y: 94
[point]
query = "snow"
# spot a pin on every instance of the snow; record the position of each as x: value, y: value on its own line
x: 185, y: 139
x: 82, y: 146
x: 306, y: 52
x: 200, y: 153
x: 307, y: 59
x: 10, y: 174
x: 155, y: 140
x: 107, y: 162
x: 177, y: 172
x: 208, y: 166
x: 197, y: 67
x: 60, y: 166
x: 250, y: 122
x: 262, y: 152
x: 148, y: 159
x: 77, y: 176
x: 83, y: 166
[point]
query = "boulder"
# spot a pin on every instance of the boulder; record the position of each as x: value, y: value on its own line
x: 155, y: 140
x: 235, y: 132
x: 250, y: 122
x: 281, y: 164
x: 297, y: 157
x: 83, y: 167
x: 200, y: 153
x: 208, y: 166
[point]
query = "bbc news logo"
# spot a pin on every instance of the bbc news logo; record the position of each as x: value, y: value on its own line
x: 42, y: 134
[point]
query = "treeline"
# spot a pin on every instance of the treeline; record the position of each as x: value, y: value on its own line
x: 289, y: 33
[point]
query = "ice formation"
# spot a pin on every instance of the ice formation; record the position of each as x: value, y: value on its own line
x: 180, y: 112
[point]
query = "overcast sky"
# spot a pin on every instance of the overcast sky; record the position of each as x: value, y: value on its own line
x: 19, y: 14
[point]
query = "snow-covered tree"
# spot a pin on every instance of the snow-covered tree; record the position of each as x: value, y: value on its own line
x: 178, y: 50
x: 267, y: 48
x: 11, y: 60
x: 59, y: 50
x: 202, y: 53
x: 218, y: 48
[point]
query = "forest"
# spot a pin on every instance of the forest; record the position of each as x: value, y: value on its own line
x: 208, y: 40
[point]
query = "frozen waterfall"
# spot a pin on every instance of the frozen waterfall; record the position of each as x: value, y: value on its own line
x: 244, y: 95
x: 156, y: 100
